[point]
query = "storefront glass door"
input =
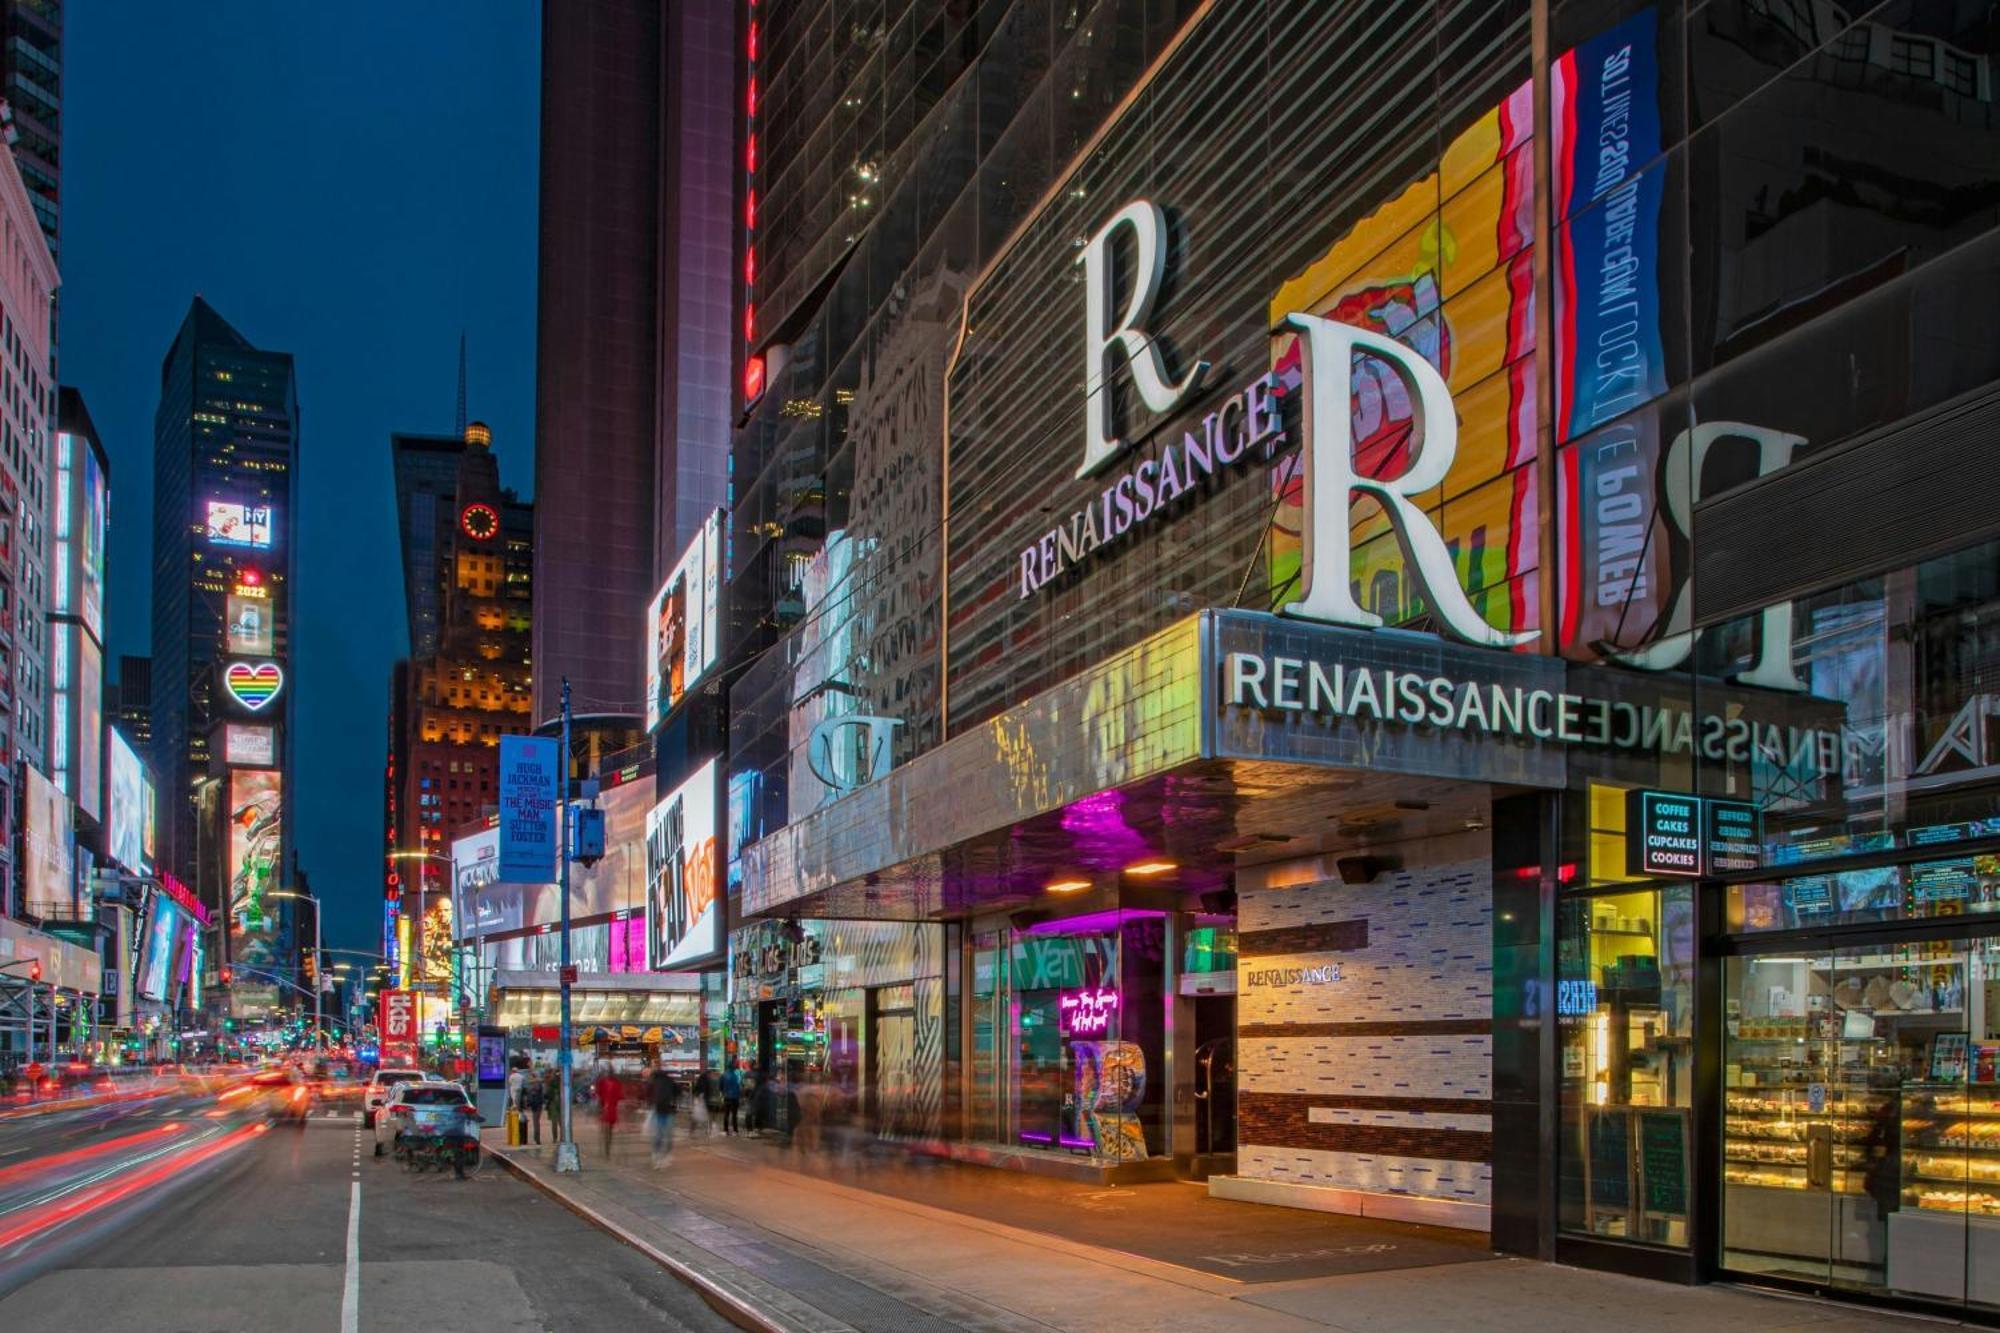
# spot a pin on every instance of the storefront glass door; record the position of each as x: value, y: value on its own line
x: 1862, y: 1118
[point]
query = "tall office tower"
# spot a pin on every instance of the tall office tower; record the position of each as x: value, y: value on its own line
x: 225, y: 550
x: 634, y: 332
x: 27, y: 411
x: 129, y: 701
x: 468, y: 581
x: 31, y: 82
x: 76, y: 607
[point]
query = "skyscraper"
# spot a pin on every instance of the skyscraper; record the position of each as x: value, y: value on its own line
x: 31, y: 81
x: 225, y: 469
x: 634, y: 332
x: 468, y: 580
x: 27, y: 411
x: 129, y: 701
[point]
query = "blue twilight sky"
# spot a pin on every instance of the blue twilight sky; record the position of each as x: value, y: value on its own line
x: 353, y: 183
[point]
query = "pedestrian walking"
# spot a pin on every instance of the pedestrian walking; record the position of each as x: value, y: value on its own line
x: 732, y: 1097
x: 666, y: 1096
x: 531, y: 1104
x: 704, y: 1101
x: 552, y: 1100
x: 609, y: 1093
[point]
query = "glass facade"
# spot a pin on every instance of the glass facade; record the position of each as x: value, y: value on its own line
x: 1707, y: 406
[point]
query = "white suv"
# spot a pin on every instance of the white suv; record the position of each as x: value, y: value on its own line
x: 379, y: 1088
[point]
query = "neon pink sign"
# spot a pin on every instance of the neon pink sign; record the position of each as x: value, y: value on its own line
x: 1086, y: 1013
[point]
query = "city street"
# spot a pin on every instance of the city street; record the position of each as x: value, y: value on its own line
x: 159, y: 1214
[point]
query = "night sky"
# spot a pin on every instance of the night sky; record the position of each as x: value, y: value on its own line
x: 352, y: 183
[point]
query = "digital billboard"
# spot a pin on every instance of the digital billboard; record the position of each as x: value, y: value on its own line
x: 131, y: 804
x: 256, y: 828
x: 683, y: 624
x: 89, y: 788
x: 156, y: 949
x: 683, y: 875
x: 96, y: 515
x: 231, y: 524
x: 50, y: 872
x: 253, y: 747
x: 250, y: 623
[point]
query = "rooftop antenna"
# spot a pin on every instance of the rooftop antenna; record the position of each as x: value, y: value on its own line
x: 461, y: 384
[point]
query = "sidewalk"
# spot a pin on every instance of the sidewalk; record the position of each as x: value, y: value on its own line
x: 942, y: 1247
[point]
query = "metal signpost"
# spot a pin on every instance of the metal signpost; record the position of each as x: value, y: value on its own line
x: 567, y: 1158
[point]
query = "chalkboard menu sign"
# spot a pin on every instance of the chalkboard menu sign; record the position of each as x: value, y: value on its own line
x: 1611, y: 1159
x: 1663, y: 1162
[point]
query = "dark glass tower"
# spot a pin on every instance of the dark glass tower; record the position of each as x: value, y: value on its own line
x: 225, y: 470
x: 31, y: 81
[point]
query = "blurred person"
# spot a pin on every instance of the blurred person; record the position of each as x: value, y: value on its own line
x: 552, y: 1098
x: 665, y: 1092
x: 531, y: 1105
x: 706, y: 1102
x: 609, y: 1092
x: 731, y: 1087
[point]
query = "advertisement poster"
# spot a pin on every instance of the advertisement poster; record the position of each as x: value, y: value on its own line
x: 253, y: 747
x: 90, y: 726
x: 256, y: 824
x: 156, y: 951
x: 1604, y: 103
x: 131, y: 799
x: 528, y: 776
x: 251, y: 625
x: 232, y: 524
x: 50, y: 870
x: 683, y: 902
x: 682, y: 623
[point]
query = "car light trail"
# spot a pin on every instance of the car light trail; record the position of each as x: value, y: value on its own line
x: 84, y: 1154
x: 109, y: 1192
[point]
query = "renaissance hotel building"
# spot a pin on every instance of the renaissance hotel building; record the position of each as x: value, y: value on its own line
x: 1393, y: 607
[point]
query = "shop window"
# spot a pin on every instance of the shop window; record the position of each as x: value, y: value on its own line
x: 1625, y: 1010
x: 1862, y: 1118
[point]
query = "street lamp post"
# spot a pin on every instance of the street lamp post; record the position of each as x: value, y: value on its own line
x: 319, y: 1019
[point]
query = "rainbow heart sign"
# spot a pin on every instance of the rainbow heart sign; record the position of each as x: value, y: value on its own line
x: 253, y: 686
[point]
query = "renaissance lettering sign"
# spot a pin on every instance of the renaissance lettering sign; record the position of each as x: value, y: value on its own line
x: 1248, y: 426
x: 1395, y: 701
x: 1324, y: 975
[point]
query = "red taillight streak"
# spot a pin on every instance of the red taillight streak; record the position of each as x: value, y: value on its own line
x: 113, y: 1191
x: 84, y: 1154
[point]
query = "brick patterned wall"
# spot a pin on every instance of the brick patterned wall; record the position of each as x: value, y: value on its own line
x: 1381, y: 1079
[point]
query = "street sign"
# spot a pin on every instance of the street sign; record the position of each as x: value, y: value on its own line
x: 567, y: 975
x: 399, y: 1017
x: 528, y: 769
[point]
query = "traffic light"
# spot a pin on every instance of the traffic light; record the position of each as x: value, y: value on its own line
x: 225, y: 975
x: 35, y: 970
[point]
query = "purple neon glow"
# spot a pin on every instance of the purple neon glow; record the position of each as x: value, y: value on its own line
x: 1031, y: 1136
x: 1069, y: 1142
x: 1087, y: 1013
x: 1092, y: 923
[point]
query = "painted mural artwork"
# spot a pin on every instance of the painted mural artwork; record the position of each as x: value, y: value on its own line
x: 1110, y: 1085
x: 1455, y: 281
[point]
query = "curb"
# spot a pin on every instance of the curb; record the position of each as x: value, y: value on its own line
x: 719, y: 1298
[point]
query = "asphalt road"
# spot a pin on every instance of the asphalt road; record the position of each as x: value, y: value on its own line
x: 177, y: 1214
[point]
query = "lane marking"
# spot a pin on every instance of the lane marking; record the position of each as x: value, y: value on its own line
x: 350, y: 1292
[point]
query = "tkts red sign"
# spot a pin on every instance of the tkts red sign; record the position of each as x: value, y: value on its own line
x: 399, y: 1017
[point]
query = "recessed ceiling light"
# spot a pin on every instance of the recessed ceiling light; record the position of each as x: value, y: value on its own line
x: 1151, y: 867
x: 1067, y: 885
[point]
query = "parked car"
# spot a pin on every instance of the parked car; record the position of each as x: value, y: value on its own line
x: 379, y: 1088
x: 429, y: 1123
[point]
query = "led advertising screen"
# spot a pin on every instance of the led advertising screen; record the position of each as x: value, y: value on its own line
x: 96, y: 515
x: 90, y: 726
x: 682, y: 624
x: 683, y: 875
x: 256, y: 827
x: 156, y: 950
x: 231, y: 524
x: 131, y: 804
x: 253, y: 747
x: 50, y: 872
x: 250, y: 622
